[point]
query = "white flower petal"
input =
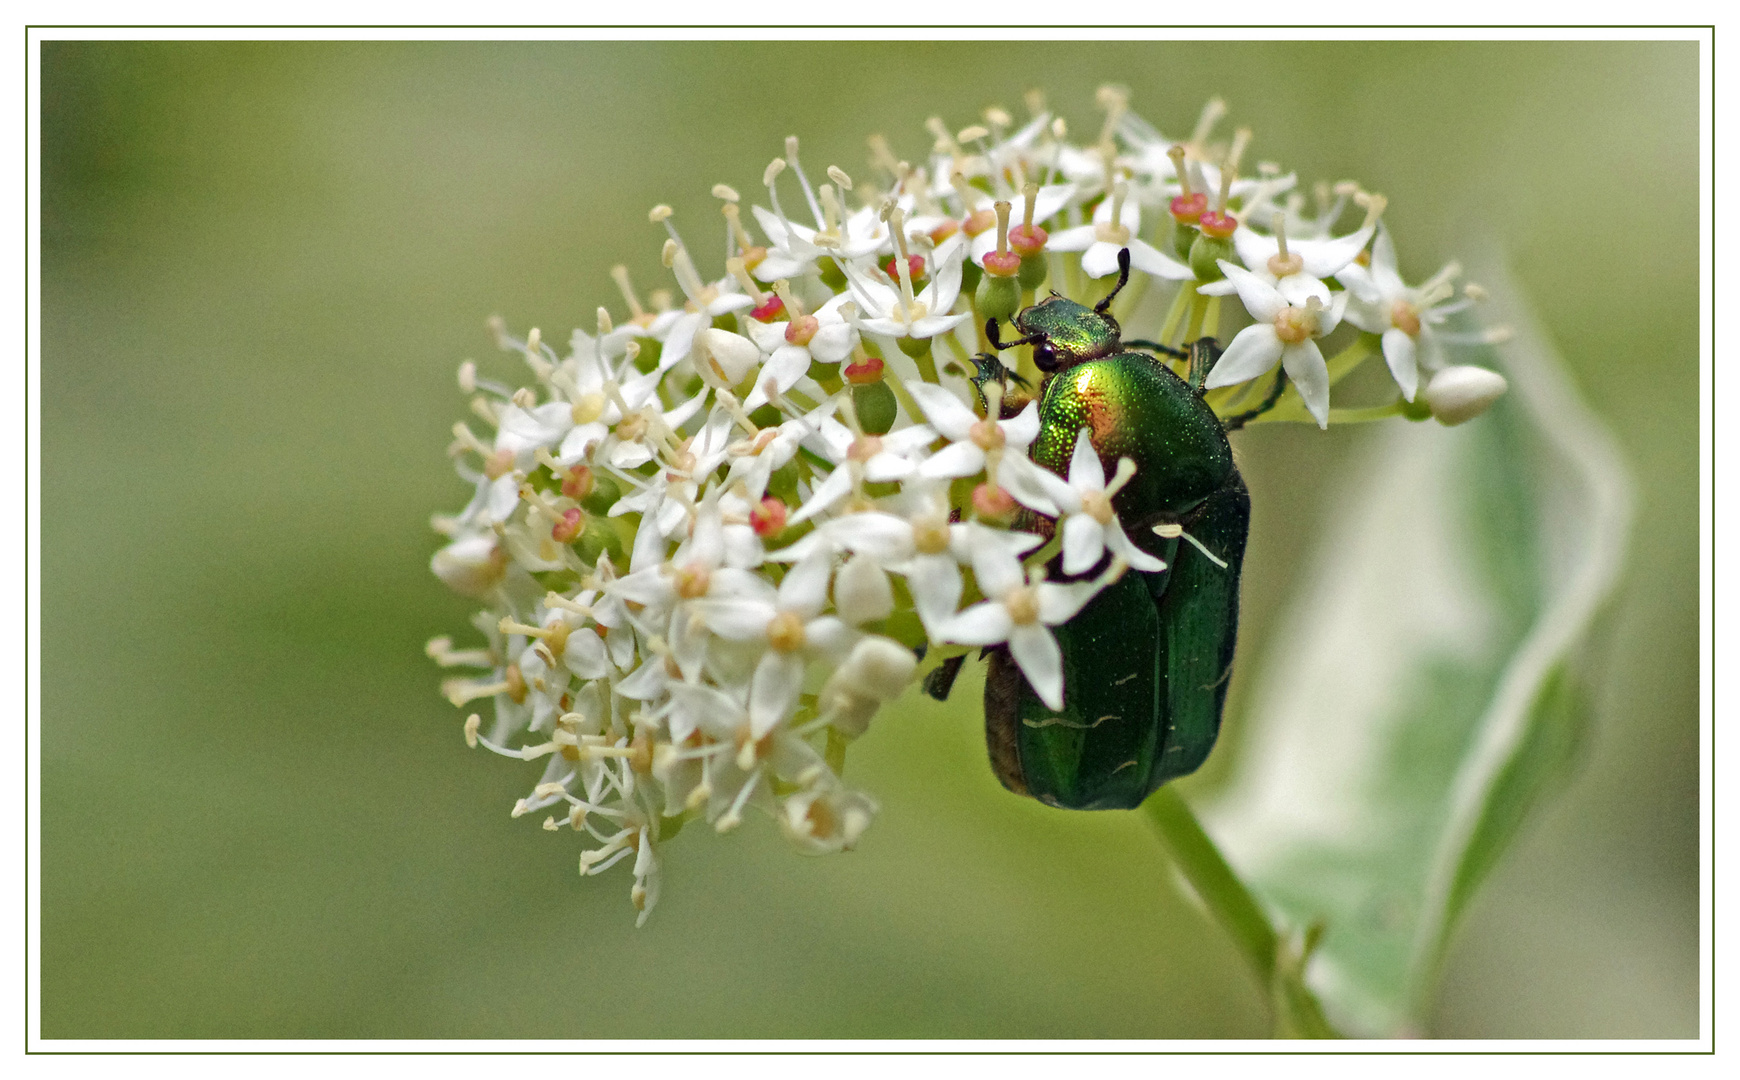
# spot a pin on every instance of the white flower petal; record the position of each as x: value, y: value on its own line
x: 1298, y: 288
x: 862, y: 592
x: 1150, y: 260
x: 805, y: 587
x: 1034, y: 487
x: 738, y: 620
x: 1120, y: 545
x: 773, y: 690
x: 1252, y: 353
x: 995, y: 566
x: 946, y: 412
x: 1084, y: 541
x: 985, y: 623
x: 935, y: 584
x: 1021, y: 429
x: 584, y: 654
x: 1060, y: 601
x: 1035, y: 651
x: 1261, y: 299
x: 1399, y: 355
x: 1101, y: 258
x: 1304, y: 365
x: 954, y: 460
x: 1085, y: 471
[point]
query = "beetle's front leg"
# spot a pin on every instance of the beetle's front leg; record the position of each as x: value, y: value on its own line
x: 991, y: 369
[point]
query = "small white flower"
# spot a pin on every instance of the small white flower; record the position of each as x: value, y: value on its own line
x: 971, y: 438
x: 788, y: 621
x: 1407, y: 318
x: 1018, y: 611
x: 1117, y: 224
x: 792, y: 345
x: 893, y: 310
x: 1284, y: 333
x: 1083, y: 507
x: 1295, y: 268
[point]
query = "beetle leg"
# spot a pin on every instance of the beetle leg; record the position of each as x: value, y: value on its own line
x: 1154, y: 346
x: 941, y: 680
x: 992, y: 369
x: 1203, y: 353
x: 1239, y: 420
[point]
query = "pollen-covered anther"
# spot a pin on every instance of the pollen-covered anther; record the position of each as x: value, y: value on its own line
x: 785, y: 632
x: 516, y: 684
x: 768, y: 517
x: 640, y: 756
x: 632, y: 426
x: 472, y: 723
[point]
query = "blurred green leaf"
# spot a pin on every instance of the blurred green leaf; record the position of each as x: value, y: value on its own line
x: 1425, y: 690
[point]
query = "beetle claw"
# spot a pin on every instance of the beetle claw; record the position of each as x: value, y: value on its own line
x: 992, y: 369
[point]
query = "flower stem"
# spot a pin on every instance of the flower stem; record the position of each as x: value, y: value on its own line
x: 1278, y: 963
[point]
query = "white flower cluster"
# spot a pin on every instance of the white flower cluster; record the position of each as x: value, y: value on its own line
x: 715, y: 537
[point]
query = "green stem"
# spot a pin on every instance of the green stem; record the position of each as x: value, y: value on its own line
x: 1278, y: 964
x: 1366, y: 415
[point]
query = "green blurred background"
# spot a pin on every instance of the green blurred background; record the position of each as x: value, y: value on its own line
x: 261, y: 265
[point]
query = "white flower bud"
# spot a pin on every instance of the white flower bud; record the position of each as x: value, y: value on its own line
x: 1458, y: 394
x: 724, y: 359
x: 470, y: 566
x: 879, y: 667
x: 877, y: 671
x: 862, y: 592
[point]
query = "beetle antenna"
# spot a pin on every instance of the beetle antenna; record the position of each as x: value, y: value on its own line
x: 998, y: 344
x: 1123, y: 279
x: 1239, y: 420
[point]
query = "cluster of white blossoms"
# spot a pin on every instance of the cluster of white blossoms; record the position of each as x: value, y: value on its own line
x: 719, y: 533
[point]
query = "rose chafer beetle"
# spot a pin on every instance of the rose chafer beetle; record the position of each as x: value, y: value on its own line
x: 1146, y: 663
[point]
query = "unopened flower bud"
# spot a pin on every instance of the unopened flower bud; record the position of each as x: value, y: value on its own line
x: 1458, y: 394
x: 724, y: 359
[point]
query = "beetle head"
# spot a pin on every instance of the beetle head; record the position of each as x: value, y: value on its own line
x: 1065, y: 333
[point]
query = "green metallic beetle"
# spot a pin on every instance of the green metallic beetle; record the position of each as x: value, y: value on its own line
x: 1146, y: 663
